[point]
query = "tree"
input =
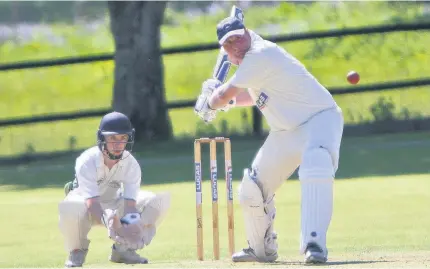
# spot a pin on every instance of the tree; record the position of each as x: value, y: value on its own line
x: 139, y: 80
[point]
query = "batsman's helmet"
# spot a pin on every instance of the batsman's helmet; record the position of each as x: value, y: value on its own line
x: 111, y: 124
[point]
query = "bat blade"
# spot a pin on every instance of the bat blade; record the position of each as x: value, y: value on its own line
x: 222, y: 66
x: 223, y: 71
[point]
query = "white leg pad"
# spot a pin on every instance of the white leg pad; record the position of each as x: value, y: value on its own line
x: 316, y: 179
x: 74, y: 222
x: 256, y: 220
x: 270, y: 242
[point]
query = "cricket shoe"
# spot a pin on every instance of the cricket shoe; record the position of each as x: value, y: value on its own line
x: 127, y: 256
x: 248, y: 255
x: 314, y: 254
x: 76, y: 258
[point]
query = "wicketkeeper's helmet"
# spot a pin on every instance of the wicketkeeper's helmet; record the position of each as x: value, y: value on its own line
x: 111, y: 124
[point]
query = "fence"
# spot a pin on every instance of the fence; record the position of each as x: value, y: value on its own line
x: 257, y: 119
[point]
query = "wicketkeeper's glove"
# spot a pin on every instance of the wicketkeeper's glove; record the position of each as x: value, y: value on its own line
x: 130, y: 235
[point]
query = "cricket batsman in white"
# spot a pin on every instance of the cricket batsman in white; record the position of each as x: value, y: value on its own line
x: 106, y: 192
x: 306, y: 127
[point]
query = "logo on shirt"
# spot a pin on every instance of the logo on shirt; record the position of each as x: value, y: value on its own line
x: 114, y: 184
x: 262, y: 100
x: 100, y: 181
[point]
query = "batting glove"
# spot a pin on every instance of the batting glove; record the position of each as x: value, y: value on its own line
x: 202, y: 108
x: 210, y: 85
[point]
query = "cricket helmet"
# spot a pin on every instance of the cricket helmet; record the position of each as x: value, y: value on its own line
x: 115, y: 123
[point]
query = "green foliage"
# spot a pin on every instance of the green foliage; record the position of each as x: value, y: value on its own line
x: 383, y: 109
x: 204, y: 130
x: 49, y: 11
x: 72, y: 142
x: 383, y: 57
x: 30, y: 149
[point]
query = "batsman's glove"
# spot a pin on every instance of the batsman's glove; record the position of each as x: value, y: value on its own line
x: 202, y: 108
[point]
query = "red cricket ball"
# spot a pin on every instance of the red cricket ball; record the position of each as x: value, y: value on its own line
x: 353, y: 77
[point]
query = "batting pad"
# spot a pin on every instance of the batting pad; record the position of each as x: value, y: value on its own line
x: 256, y: 220
x: 316, y: 211
x: 270, y: 241
x: 317, y: 163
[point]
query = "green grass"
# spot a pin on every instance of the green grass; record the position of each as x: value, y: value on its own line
x: 380, y: 215
x: 378, y: 58
x: 371, y: 216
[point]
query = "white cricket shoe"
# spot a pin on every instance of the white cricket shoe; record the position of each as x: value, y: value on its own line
x: 248, y: 255
x: 128, y: 257
x: 76, y: 258
x: 314, y: 254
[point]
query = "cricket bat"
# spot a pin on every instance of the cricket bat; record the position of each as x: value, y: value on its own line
x: 222, y: 65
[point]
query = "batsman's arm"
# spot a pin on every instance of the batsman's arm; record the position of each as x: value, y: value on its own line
x: 244, y: 99
x: 223, y: 94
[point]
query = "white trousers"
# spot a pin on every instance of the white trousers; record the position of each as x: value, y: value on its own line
x: 75, y: 222
x: 284, y: 151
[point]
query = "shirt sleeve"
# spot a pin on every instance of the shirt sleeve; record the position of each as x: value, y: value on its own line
x: 86, y: 175
x: 132, y: 181
x: 249, y: 73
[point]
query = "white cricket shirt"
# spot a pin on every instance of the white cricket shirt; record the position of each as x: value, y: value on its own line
x: 281, y: 87
x: 95, y: 179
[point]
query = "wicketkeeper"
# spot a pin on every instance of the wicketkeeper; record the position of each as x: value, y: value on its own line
x: 106, y: 192
x: 306, y: 127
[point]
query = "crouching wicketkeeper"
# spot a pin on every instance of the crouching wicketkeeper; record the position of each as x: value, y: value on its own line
x: 106, y: 191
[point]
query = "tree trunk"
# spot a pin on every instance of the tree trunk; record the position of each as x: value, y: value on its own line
x: 139, y: 81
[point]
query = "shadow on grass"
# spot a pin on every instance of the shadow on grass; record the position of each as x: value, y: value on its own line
x: 353, y: 262
x: 172, y: 161
x: 330, y: 263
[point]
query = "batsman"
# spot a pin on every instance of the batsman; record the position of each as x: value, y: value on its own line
x: 306, y: 127
x: 106, y: 192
